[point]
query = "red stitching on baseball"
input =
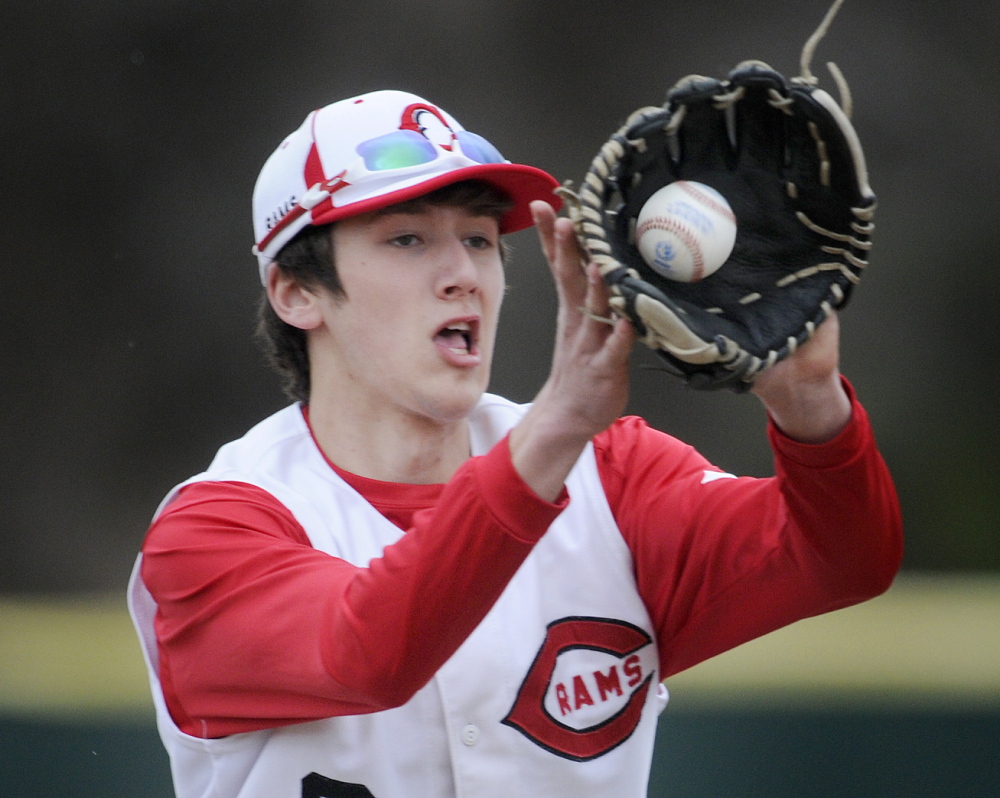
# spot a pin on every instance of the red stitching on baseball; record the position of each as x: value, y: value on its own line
x: 706, y: 199
x: 682, y: 232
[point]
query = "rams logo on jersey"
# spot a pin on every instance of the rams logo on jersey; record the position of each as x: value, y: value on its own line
x: 585, y: 691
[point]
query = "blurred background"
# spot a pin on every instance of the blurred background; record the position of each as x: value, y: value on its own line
x: 131, y: 134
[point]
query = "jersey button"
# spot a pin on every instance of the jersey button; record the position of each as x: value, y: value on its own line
x: 470, y: 734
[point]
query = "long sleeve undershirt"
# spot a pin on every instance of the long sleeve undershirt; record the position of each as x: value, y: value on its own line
x: 257, y: 629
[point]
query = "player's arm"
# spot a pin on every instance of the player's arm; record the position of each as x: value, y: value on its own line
x: 258, y: 629
x: 720, y: 560
x: 587, y: 387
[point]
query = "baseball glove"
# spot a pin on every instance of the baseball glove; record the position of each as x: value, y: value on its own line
x: 785, y: 156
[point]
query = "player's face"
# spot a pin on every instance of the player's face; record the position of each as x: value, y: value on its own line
x: 417, y: 328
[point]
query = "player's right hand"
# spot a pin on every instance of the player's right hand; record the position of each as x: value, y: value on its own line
x: 587, y: 387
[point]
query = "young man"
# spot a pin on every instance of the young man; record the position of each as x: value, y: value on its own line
x: 401, y: 585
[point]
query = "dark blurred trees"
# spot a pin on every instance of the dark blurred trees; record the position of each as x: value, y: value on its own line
x: 132, y: 133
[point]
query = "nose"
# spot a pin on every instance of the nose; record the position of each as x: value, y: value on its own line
x: 459, y: 274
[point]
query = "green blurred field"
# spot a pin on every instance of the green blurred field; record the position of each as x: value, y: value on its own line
x: 929, y: 641
x: 896, y: 697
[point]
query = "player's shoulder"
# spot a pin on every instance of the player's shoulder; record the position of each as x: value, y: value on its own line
x: 273, y: 445
x: 630, y: 431
x: 279, y: 427
x: 631, y: 445
x: 277, y: 442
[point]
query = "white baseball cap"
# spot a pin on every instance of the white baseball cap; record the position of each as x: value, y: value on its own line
x: 374, y: 150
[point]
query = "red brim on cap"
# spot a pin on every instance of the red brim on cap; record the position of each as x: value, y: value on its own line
x: 522, y: 184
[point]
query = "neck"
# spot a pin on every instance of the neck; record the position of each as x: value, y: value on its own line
x: 389, y: 446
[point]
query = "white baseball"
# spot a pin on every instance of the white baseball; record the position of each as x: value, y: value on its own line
x: 685, y: 231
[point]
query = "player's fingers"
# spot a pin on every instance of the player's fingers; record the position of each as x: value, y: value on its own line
x: 571, y: 281
x: 559, y: 245
x: 545, y: 219
x: 597, y: 293
x: 583, y: 295
x: 558, y: 241
x: 621, y: 339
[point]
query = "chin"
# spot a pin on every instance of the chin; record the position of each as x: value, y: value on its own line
x: 454, y: 403
x: 458, y: 407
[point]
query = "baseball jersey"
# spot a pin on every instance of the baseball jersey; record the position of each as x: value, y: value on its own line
x: 551, y: 684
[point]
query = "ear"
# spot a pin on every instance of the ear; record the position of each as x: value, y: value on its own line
x: 293, y: 303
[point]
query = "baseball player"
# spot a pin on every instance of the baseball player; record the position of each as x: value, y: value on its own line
x: 401, y: 585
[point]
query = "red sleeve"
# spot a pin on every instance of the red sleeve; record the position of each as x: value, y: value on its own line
x: 720, y: 561
x: 257, y: 629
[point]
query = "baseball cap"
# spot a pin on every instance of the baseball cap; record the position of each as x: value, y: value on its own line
x: 374, y: 150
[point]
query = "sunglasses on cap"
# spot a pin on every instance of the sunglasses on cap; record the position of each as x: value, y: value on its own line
x: 403, y: 148
x: 398, y: 150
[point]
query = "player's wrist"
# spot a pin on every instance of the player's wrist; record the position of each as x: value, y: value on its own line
x: 809, y: 411
x: 545, y: 445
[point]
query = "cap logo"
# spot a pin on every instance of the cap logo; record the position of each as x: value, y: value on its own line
x: 430, y: 123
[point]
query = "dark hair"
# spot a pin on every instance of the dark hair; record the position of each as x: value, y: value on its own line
x: 308, y: 259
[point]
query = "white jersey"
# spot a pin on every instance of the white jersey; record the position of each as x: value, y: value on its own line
x: 555, y: 693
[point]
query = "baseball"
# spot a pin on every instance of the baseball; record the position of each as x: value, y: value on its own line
x: 685, y: 231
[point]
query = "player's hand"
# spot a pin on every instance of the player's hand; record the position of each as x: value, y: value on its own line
x: 803, y: 394
x: 587, y: 387
x: 588, y: 381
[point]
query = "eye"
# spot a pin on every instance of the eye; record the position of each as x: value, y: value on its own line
x: 405, y: 240
x: 479, y: 242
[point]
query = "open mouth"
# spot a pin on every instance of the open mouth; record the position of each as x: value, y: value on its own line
x: 460, y: 337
